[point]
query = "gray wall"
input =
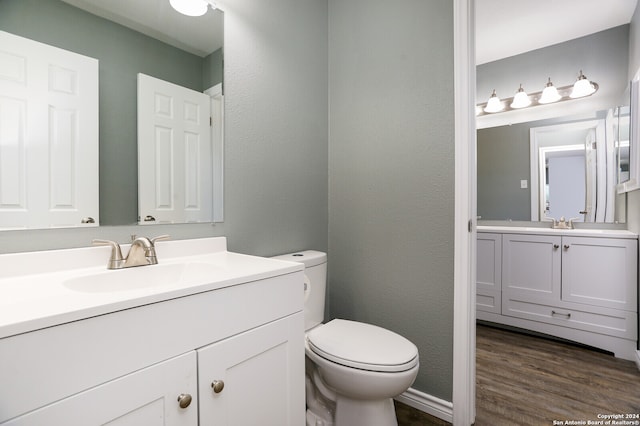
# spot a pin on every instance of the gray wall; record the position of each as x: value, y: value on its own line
x: 391, y: 165
x: 275, y: 141
x: 503, y: 160
x: 602, y: 56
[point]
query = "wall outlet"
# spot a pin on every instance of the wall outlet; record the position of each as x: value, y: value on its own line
x: 524, y: 184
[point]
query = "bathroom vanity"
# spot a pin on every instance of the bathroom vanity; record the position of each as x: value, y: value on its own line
x: 205, y: 337
x: 579, y: 285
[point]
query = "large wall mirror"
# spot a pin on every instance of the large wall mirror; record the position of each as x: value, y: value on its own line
x: 562, y: 167
x: 531, y: 161
x: 125, y: 38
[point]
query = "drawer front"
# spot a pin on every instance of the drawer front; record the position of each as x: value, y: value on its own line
x: 610, y: 322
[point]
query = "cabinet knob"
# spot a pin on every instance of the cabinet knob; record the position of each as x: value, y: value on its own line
x: 566, y: 246
x: 556, y: 246
x: 217, y: 386
x: 184, y: 399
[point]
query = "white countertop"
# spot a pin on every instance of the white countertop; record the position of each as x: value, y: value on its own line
x: 595, y: 233
x: 34, y: 290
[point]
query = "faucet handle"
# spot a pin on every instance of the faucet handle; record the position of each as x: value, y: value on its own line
x: 116, y: 259
x: 571, y: 221
x: 159, y: 237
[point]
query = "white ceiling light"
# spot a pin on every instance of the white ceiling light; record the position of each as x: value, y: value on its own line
x: 192, y: 7
x: 493, y: 104
x: 521, y: 99
x: 582, y: 87
x: 549, y: 94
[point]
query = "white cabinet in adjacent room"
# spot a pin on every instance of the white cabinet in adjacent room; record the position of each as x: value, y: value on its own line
x: 531, y: 266
x: 600, y: 272
x: 489, y: 273
x: 570, y: 285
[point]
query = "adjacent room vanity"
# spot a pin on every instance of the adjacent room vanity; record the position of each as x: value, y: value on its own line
x: 575, y: 284
x: 204, y: 337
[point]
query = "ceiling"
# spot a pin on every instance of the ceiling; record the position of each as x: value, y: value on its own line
x: 509, y: 27
x: 200, y: 35
x: 503, y: 27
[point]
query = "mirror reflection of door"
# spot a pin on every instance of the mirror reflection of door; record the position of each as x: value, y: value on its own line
x: 572, y: 172
x: 48, y: 136
x: 175, y: 178
x: 565, y: 187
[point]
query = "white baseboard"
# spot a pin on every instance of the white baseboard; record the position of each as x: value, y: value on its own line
x: 427, y: 403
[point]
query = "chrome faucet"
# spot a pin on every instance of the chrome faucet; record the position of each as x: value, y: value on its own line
x: 562, y: 223
x: 142, y: 252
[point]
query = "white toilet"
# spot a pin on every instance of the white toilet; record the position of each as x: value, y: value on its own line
x: 353, y: 369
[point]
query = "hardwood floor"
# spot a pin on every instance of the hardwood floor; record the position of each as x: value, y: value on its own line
x: 526, y: 380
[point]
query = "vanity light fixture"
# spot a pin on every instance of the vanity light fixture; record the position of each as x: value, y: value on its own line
x: 582, y: 87
x: 192, y: 7
x: 521, y: 99
x: 550, y: 94
x: 494, y: 104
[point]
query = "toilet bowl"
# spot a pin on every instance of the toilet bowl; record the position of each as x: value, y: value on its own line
x: 353, y: 369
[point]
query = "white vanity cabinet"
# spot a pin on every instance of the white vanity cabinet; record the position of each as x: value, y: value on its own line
x: 579, y: 287
x: 147, y: 397
x: 245, y: 380
x: 153, y: 363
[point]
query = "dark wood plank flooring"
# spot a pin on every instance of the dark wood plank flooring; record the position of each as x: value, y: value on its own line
x: 527, y: 380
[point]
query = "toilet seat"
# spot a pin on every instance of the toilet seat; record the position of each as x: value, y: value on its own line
x: 362, y: 346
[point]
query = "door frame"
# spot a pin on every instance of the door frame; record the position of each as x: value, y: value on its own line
x: 464, y: 315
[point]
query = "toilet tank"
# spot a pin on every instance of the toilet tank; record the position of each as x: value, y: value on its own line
x: 315, y: 283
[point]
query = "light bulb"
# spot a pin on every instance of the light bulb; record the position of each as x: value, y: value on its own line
x: 521, y: 99
x: 493, y: 104
x: 549, y: 94
x: 582, y: 87
x: 190, y: 7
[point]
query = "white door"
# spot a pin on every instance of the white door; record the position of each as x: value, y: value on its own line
x: 255, y: 378
x: 217, y: 148
x: 174, y: 153
x: 567, y: 191
x: 147, y: 397
x: 48, y: 135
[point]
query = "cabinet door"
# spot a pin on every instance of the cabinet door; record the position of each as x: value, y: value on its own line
x: 147, y: 397
x: 259, y: 377
x: 600, y: 271
x: 488, y: 272
x: 531, y: 267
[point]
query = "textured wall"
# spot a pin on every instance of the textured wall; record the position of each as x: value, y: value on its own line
x: 503, y: 160
x: 602, y: 56
x: 276, y: 125
x: 391, y: 165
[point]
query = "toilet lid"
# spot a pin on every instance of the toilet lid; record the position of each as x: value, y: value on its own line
x: 363, y: 346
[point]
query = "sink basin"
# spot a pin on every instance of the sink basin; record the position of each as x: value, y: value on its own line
x: 143, y: 277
